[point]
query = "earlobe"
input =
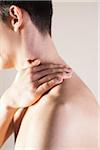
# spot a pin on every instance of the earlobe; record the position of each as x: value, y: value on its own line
x: 16, y: 17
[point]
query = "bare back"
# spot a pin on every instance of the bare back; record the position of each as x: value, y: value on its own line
x: 66, y: 122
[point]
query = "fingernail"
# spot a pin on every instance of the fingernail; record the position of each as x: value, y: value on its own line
x: 61, y: 65
x: 64, y: 65
x: 59, y: 80
x: 67, y: 75
x: 69, y: 68
x: 37, y: 61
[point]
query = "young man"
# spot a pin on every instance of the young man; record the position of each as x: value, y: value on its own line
x: 66, y: 116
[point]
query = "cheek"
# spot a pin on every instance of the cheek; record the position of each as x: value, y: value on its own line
x: 5, y: 53
x: 6, y: 42
x: 5, y: 46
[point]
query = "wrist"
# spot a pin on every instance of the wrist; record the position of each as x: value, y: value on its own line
x: 6, y: 102
x: 7, y: 109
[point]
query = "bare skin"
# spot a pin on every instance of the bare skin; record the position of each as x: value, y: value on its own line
x: 64, y: 118
x: 66, y: 121
x: 27, y: 88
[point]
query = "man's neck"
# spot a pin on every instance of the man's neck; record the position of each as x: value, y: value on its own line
x: 37, y: 47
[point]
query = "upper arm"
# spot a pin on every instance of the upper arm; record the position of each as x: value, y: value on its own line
x: 18, y: 119
x: 9, y: 131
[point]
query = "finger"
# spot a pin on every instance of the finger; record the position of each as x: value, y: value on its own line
x: 47, y: 78
x: 46, y: 87
x: 47, y: 66
x: 32, y: 63
x: 37, y: 76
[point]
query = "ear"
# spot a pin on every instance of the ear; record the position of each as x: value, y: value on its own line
x: 16, y: 17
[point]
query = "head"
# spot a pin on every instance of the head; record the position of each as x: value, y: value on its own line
x: 17, y: 18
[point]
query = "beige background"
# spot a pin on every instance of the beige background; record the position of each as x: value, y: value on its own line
x: 75, y: 36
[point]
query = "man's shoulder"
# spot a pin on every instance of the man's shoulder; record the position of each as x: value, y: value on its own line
x: 82, y: 122
x: 81, y: 111
x: 78, y: 100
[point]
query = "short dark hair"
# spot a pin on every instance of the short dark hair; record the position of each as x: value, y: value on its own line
x: 40, y: 12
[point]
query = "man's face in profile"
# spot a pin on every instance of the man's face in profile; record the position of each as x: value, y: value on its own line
x: 21, y: 15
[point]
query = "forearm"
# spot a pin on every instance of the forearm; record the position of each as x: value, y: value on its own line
x: 6, y: 116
